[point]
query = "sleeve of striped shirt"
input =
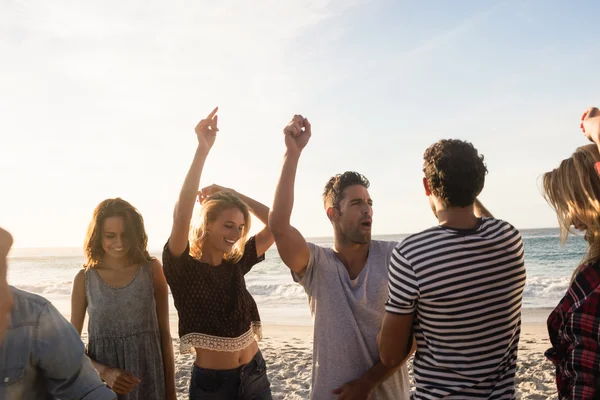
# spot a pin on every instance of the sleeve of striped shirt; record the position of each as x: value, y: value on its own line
x: 403, y: 287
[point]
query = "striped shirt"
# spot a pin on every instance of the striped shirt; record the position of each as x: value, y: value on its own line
x: 465, y: 289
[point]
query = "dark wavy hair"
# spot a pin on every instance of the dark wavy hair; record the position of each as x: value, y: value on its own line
x: 455, y: 172
x: 333, y: 193
x: 135, y: 232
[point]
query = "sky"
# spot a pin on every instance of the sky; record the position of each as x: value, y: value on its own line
x: 100, y: 99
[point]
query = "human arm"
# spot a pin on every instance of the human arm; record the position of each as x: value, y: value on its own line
x: 161, y: 297
x: 6, y: 242
x: 395, y: 343
x: 291, y: 245
x: 362, y: 388
x: 395, y: 340
x: 206, y: 131
x: 264, y: 239
x: 121, y: 381
x: 6, y: 298
x: 59, y: 353
x: 480, y: 211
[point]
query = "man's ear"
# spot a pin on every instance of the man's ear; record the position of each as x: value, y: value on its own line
x: 426, y: 186
x: 330, y: 213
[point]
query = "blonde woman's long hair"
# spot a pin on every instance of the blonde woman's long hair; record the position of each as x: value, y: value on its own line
x: 573, y: 190
x: 211, y: 209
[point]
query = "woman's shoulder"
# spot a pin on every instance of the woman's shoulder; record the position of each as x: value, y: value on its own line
x: 80, y: 276
x: 153, y: 264
x: 584, y: 290
x: 588, y: 277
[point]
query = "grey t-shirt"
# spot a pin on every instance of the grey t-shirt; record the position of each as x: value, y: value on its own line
x: 347, y: 315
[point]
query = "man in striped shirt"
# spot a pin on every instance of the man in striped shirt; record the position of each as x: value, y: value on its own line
x: 456, y: 288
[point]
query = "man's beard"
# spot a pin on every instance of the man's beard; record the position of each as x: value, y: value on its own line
x: 357, y: 237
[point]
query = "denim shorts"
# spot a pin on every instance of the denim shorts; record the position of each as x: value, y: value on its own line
x: 248, y: 382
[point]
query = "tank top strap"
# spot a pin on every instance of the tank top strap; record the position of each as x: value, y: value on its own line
x: 90, y: 282
x: 146, y: 272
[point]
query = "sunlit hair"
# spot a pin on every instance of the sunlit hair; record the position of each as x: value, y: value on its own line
x: 135, y: 233
x: 333, y: 193
x: 211, y: 209
x: 455, y: 172
x: 573, y: 190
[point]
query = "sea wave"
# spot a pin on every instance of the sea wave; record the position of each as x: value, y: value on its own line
x: 546, y: 288
x: 541, y: 290
x: 278, y: 293
x: 56, y: 288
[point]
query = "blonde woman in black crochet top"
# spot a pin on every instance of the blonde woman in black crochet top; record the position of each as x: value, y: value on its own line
x: 205, y: 261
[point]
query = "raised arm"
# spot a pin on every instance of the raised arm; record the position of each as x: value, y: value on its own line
x: 206, y: 130
x: 291, y: 245
x: 481, y: 211
x: 264, y: 239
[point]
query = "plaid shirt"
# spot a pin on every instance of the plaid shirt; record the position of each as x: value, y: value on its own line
x: 574, y: 329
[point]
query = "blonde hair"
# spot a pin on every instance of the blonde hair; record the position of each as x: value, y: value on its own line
x: 211, y: 210
x: 573, y: 190
x: 135, y: 232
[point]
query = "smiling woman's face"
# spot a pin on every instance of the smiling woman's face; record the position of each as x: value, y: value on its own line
x: 226, y: 230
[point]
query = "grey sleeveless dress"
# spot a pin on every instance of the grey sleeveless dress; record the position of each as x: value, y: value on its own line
x: 123, y: 331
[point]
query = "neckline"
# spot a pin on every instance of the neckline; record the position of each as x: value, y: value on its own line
x: 206, y: 265
x: 464, y: 230
x: 119, y: 287
x: 345, y: 270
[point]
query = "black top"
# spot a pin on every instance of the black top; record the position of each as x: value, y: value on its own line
x: 212, y: 300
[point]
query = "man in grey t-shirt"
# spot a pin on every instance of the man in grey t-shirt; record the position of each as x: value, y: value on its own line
x: 346, y: 286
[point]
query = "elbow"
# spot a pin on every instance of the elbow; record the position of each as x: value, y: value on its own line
x: 390, y: 356
x: 276, y: 226
x: 277, y: 233
x: 390, y: 360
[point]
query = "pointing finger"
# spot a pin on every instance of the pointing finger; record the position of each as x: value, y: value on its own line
x: 212, y: 114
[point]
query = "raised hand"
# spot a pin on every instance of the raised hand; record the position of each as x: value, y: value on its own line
x: 121, y: 382
x: 590, y: 124
x: 208, y: 191
x: 297, y: 133
x: 206, y: 130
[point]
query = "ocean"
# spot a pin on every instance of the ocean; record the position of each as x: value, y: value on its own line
x: 50, y: 271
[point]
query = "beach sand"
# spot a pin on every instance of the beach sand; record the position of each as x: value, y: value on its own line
x: 288, y: 352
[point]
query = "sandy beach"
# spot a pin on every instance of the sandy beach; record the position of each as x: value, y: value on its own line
x: 288, y: 352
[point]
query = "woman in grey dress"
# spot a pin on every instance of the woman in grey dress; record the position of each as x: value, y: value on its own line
x: 124, y: 291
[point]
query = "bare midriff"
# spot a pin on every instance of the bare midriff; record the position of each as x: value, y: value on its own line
x: 222, y: 360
